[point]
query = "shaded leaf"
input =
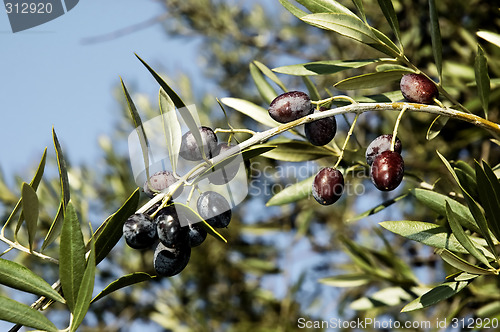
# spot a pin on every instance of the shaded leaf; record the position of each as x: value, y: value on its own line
x: 122, y: 282
x: 85, y: 290
x: 370, y: 80
x: 360, y: 8
x: 390, y: 15
x: 347, y: 280
x: 482, y: 79
x: 436, y: 126
x: 111, y: 230
x: 378, y: 208
x: 464, y: 240
x: 30, y: 212
x: 311, y: 88
x: 269, y: 73
x: 251, y: 110
x: 71, y: 257
x: 293, y: 193
x: 385, y: 44
x: 460, y: 263
x: 490, y: 196
x: 18, y: 313
x: 190, y: 214
x: 468, y: 182
x: 437, y: 47
x: 323, y: 67
x: 344, y: 24
x: 435, y: 295
x: 171, y: 127
x: 295, y: 151
x: 20, y: 277
x: 265, y: 89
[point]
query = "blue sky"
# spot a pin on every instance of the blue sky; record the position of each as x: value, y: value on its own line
x: 51, y: 78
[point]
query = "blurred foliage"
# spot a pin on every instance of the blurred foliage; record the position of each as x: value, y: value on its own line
x: 265, y: 278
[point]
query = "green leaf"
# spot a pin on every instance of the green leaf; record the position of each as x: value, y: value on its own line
x: 482, y: 79
x: 251, y: 110
x: 490, y: 196
x: 85, y: 290
x: 171, y: 127
x: 292, y: 9
x: 19, y: 277
x: 385, y: 44
x: 293, y: 193
x: 266, y: 91
x: 111, y: 230
x: 325, y: 6
x: 370, y: 80
x: 257, y: 150
x: 468, y: 182
x: 327, y: 67
x: 435, y: 295
x: 460, y: 263
x: 390, y: 15
x: 269, y: 73
x: 295, y: 151
x: 360, y: 7
x: 492, y: 37
x: 125, y: 281
x: 71, y: 257
x: 190, y: 214
x: 437, y: 202
x: 436, y: 126
x: 429, y: 234
x: 30, y: 212
x: 347, y: 280
x: 387, y: 297
x: 18, y: 313
x: 378, y: 208
x: 464, y: 240
x: 344, y: 24
x: 468, y: 169
x: 55, y: 227
x: 311, y: 88
x: 437, y: 47
x: 141, y: 133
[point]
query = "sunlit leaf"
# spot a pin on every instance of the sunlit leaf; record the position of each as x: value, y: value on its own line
x: 190, y: 214
x: 265, y: 89
x: 461, y: 264
x: 370, y: 80
x: 122, y: 282
x: 269, y: 73
x: 19, y: 277
x: 482, y: 79
x: 347, y: 280
x: 111, y: 230
x: 292, y: 193
x: 18, y: 313
x: 492, y: 37
x: 390, y: 15
x: 171, y: 127
x: 325, y: 6
x: 437, y: 47
x: 385, y: 44
x: 435, y: 295
x: 326, y: 67
x: 378, y: 208
x: 251, y: 110
x: 360, y: 8
x: 460, y: 235
x: 30, y: 212
x: 386, y: 297
x: 71, y: 257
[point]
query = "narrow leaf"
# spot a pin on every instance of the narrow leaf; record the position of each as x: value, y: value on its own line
x: 85, y: 290
x: 361, y: 8
x: 293, y: 193
x: 344, y: 24
x: 30, y: 212
x: 265, y: 89
x: 292, y: 9
x: 269, y: 73
x: 323, y: 67
x: 390, y: 15
x: 295, y: 151
x: 251, y: 110
x: 125, y: 281
x: 460, y: 263
x: 370, y: 80
x: 257, y: 150
x: 482, y: 79
x: 437, y: 47
x: 171, y: 128
x: 347, y: 280
x: 18, y: 313
x: 492, y: 37
x: 385, y: 44
x: 111, y: 230
x: 490, y: 196
x: 325, y: 6
x: 464, y: 240
x: 435, y: 295
x: 436, y: 126
x: 71, y: 257
x: 378, y: 208
x: 311, y: 88
x: 19, y: 277
x: 185, y: 211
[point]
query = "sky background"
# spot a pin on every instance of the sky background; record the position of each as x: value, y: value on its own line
x: 51, y: 77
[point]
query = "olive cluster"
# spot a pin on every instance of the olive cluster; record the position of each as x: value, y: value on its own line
x: 382, y: 155
x: 171, y: 231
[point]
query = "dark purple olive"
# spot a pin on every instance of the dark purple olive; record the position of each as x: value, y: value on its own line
x: 226, y: 170
x: 168, y: 262
x: 189, y: 147
x: 381, y: 144
x: 139, y: 231
x: 290, y: 106
x: 387, y: 170
x: 322, y: 131
x: 328, y: 186
x: 417, y: 88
